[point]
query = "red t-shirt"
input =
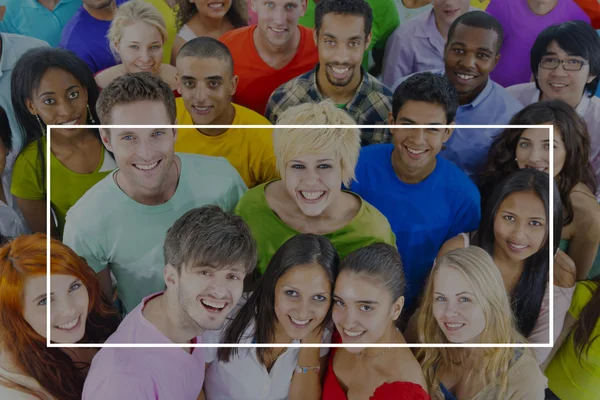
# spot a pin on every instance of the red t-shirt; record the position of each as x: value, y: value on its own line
x: 592, y: 9
x: 257, y: 79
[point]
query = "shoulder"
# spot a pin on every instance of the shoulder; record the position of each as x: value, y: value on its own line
x: 457, y: 242
x: 213, y: 165
x: 251, y: 201
x: 106, y: 76
x: 23, y: 43
x: 521, y: 90
x: 565, y: 273
x: 587, y: 209
x: 95, y: 201
x: 247, y: 116
x: 233, y: 37
x: 525, y: 378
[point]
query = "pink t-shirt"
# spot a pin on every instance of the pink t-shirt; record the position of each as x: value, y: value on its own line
x: 144, y: 373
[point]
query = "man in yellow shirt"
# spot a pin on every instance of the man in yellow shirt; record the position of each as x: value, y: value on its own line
x: 207, y: 84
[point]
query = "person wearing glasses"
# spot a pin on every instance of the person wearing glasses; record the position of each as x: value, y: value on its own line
x: 565, y: 61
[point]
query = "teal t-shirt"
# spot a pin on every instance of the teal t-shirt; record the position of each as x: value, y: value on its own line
x: 369, y: 226
x: 108, y: 228
x: 385, y: 20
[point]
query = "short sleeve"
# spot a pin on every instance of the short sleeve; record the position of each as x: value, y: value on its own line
x: 582, y: 295
x: 117, y: 387
x: 83, y: 244
x: 237, y: 190
x: 27, y: 176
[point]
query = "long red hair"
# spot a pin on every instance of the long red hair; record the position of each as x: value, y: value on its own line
x: 25, y: 257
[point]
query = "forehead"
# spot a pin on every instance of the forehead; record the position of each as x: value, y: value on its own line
x: 537, y: 134
x: 555, y: 49
x: 56, y: 77
x: 202, y: 67
x: 422, y: 111
x: 314, y: 158
x: 238, y: 267
x: 142, y: 112
x: 343, y: 25
x: 451, y: 281
x: 309, y: 277
x: 280, y: 2
x: 475, y: 38
x: 527, y: 204
x: 360, y: 287
x: 140, y: 31
x: 36, y: 285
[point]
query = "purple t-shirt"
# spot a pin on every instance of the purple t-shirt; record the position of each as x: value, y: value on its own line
x: 86, y: 36
x: 144, y: 373
x: 521, y: 28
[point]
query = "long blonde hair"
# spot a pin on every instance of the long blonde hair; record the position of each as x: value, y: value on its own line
x: 482, y: 274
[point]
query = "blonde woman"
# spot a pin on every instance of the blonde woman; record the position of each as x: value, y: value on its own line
x: 136, y: 36
x: 197, y: 18
x: 465, y: 302
x: 313, y: 165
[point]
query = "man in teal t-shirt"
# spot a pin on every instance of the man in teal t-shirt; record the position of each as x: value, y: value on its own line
x: 120, y: 224
x: 385, y: 20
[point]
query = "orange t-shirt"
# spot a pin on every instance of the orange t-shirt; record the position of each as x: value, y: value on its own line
x: 258, y: 79
x: 592, y: 9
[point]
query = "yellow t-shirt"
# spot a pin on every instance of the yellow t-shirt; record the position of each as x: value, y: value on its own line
x: 169, y: 15
x: 66, y: 187
x: 250, y: 151
x: 481, y: 4
x: 567, y: 377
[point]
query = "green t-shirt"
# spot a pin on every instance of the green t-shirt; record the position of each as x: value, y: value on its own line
x: 66, y: 186
x: 385, y: 20
x: 567, y: 377
x: 108, y: 228
x: 369, y: 226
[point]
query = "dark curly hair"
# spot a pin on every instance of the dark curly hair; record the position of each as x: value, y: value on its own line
x: 237, y: 14
x: 573, y: 130
x: 344, y: 7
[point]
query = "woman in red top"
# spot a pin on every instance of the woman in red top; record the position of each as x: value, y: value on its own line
x: 368, y: 299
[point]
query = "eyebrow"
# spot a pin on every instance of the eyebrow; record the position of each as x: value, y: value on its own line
x: 461, y: 293
x: 41, y: 296
x: 406, y: 119
x: 69, y: 88
x: 552, y: 53
x: 319, y: 161
x: 214, y: 77
x: 478, y: 49
x: 529, y: 140
x: 514, y: 215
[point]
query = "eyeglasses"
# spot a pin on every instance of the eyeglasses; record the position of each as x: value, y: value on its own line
x: 568, y: 65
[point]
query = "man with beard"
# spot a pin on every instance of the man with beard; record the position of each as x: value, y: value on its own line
x: 85, y: 34
x: 207, y: 253
x: 342, y: 33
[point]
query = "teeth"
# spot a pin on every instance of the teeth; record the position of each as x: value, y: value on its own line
x: 70, y: 122
x: 299, y: 322
x: 201, y: 108
x: 146, y: 167
x: 416, y: 152
x: 340, y: 70
x: 312, y: 195
x: 213, y: 304
x: 278, y: 30
x: 516, y: 246
x: 453, y: 326
x: 558, y: 85
x: 465, y: 77
x: 216, y: 5
x: 70, y: 325
x: 353, y: 334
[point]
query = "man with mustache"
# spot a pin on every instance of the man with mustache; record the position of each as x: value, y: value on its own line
x: 208, y: 252
x: 342, y: 33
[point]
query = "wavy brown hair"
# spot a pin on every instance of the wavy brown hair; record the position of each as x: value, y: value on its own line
x: 573, y: 130
x: 51, y: 367
x: 237, y: 14
x: 588, y: 320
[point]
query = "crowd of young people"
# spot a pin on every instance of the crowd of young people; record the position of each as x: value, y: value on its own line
x: 285, y: 234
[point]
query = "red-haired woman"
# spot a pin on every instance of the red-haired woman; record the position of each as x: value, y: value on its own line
x: 29, y: 369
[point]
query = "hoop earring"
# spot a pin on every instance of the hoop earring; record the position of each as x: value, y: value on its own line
x: 92, y: 120
x: 41, y: 126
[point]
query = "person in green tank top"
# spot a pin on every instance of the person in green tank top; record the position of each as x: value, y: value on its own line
x: 313, y: 164
x: 55, y: 87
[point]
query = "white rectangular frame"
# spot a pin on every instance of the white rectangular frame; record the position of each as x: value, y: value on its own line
x: 300, y: 345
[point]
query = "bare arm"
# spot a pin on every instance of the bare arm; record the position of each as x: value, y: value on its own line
x: 308, y: 385
x: 34, y: 212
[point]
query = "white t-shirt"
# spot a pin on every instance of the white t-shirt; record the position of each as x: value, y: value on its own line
x: 244, y: 377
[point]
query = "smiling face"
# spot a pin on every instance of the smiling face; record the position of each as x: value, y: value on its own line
x: 206, y: 86
x: 314, y: 182
x: 215, y: 9
x: 363, y: 309
x: 469, y: 57
x: 144, y: 156
x: 278, y: 20
x: 416, y: 148
x: 60, y: 99
x: 533, y: 150
x: 206, y: 294
x: 455, y: 306
x: 559, y: 84
x: 69, y: 308
x: 302, y: 299
x: 447, y: 11
x: 141, y: 48
x: 341, y: 43
x: 520, y: 226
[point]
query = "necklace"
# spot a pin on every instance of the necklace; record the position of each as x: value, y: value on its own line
x: 380, y: 354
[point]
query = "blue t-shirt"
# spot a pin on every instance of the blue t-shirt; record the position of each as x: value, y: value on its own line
x: 86, y: 36
x: 422, y: 215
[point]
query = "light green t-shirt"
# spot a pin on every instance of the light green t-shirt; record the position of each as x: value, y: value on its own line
x: 369, y: 226
x: 385, y: 20
x: 67, y: 186
x: 567, y: 377
x: 108, y: 228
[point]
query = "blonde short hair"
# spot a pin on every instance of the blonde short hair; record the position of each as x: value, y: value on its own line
x: 293, y: 142
x: 484, y: 276
x: 129, y: 13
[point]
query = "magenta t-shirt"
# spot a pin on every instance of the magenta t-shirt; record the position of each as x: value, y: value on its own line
x: 521, y: 28
x: 144, y: 373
